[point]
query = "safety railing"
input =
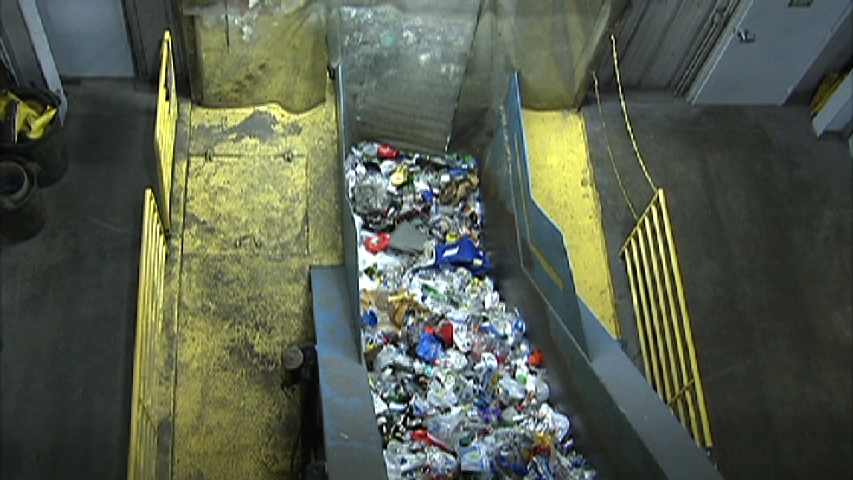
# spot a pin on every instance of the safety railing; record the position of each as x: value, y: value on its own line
x: 142, y: 455
x: 165, y: 128
x: 663, y: 322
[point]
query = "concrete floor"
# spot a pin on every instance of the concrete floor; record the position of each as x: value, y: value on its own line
x: 762, y: 219
x: 69, y: 298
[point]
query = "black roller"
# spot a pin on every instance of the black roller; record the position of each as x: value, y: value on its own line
x: 22, y: 212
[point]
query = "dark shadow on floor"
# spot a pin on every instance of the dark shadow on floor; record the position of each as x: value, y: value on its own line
x: 762, y: 218
x: 69, y: 297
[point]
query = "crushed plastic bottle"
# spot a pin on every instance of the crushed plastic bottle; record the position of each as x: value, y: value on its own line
x: 458, y: 391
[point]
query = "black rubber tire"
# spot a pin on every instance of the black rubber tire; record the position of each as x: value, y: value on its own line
x: 47, y: 152
x: 22, y: 212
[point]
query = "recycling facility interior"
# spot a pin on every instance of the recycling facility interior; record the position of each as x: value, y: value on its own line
x: 761, y: 211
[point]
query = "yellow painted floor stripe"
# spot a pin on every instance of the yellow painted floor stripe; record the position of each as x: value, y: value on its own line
x: 563, y: 185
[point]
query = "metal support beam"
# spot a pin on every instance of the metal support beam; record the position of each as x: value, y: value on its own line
x: 146, y: 21
x: 350, y: 436
x: 9, y: 72
x: 42, y: 49
x: 837, y: 114
x: 22, y: 57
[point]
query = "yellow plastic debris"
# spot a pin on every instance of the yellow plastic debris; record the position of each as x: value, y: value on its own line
x: 825, y: 90
x: 33, y: 118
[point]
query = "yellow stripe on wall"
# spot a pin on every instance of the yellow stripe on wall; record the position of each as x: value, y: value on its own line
x: 563, y: 185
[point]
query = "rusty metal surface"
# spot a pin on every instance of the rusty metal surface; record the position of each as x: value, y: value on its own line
x: 251, y: 52
x: 165, y: 128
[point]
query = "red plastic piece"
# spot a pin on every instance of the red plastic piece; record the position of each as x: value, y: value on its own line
x: 537, y: 358
x: 537, y: 450
x: 378, y: 243
x: 445, y: 333
x: 386, y: 151
x: 423, y: 435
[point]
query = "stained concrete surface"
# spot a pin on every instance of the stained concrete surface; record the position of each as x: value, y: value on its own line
x: 762, y: 218
x: 69, y: 297
x: 257, y: 214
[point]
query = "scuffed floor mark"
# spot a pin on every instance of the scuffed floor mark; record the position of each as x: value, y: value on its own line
x: 260, y: 125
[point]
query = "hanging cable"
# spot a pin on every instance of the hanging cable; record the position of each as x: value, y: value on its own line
x: 609, y: 150
x: 227, y: 27
x: 625, y: 113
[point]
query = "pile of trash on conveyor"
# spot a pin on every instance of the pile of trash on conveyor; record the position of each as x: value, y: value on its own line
x: 457, y: 389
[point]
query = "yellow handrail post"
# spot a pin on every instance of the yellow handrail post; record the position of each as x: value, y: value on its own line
x: 165, y: 128
x: 663, y: 322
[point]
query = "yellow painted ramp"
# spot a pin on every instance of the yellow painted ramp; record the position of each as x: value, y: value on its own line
x: 257, y: 213
x: 563, y: 185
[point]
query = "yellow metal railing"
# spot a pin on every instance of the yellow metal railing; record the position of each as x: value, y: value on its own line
x: 663, y: 322
x: 165, y: 128
x: 142, y: 454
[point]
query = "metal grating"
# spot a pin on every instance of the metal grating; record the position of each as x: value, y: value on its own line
x: 663, y: 322
x: 165, y: 128
x: 142, y: 455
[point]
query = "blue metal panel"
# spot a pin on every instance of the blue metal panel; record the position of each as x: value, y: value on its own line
x: 351, y: 438
x: 517, y: 156
x: 542, y: 250
x: 348, y: 230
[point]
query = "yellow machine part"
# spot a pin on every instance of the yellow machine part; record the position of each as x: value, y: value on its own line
x: 147, y: 394
x: 663, y: 319
x: 165, y: 129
